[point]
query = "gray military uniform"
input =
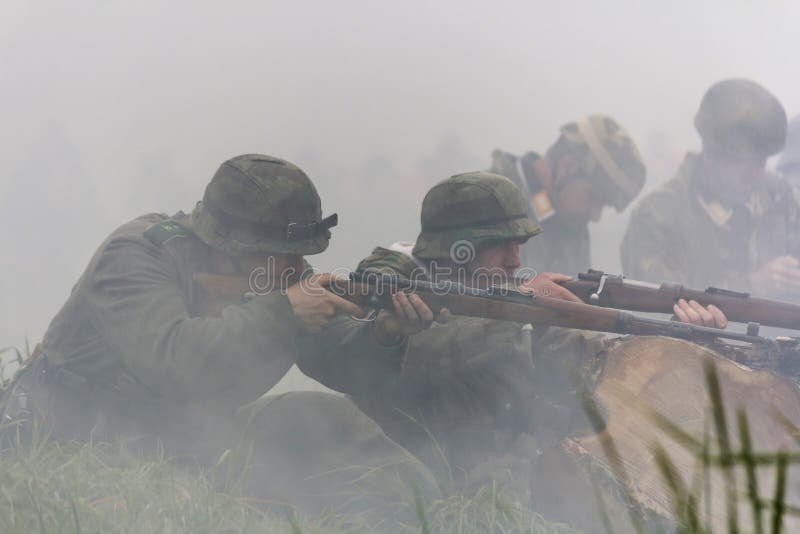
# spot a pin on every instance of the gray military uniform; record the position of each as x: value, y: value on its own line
x: 129, y: 357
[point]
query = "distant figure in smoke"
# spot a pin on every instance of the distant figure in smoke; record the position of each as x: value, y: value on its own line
x: 594, y: 163
x: 789, y: 162
x: 723, y: 220
x: 133, y: 354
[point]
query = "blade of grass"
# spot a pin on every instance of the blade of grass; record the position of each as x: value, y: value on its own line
x: 779, y: 496
x: 675, y: 432
x: 676, y: 485
x: 749, y: 468
x: 791, y: 428
x: 718, y: 412
x: 419, y: 507
x: 707, y: 472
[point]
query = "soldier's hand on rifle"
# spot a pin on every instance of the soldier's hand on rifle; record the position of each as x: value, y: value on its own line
x: 549, y: 285
x: 692, y: 312
x: 409, y: 315
x: 314, y: 306
x: 777, y: 277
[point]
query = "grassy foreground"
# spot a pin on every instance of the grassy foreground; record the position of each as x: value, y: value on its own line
x: 83, y: 488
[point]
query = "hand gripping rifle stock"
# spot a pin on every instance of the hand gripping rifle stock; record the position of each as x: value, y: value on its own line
x: 615, y: 291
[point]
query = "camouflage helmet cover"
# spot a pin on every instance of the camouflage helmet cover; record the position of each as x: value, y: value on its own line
x: 606, y: 152
x: 739, y: 116
x: 476, y: 208
x: 257, y: 203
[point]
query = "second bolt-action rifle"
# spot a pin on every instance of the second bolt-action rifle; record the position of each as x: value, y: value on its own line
x: 615, y: 291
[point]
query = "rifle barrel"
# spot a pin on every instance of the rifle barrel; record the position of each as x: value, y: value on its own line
x: 621, y: 293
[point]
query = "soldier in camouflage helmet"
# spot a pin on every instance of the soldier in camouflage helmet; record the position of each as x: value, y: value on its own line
x: 133, y: 353
x: 723, y: 220
x: 478, y: 208
x: 594, y: 163
x: 471, y: 397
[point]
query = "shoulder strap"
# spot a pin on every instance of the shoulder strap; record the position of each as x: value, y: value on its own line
x: 162, y: 233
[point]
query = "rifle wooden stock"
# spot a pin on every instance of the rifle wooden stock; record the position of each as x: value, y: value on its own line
x: 618, y: 292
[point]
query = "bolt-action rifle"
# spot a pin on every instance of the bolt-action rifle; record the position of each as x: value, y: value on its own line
x: 374, y: 290
x: 615, y: 291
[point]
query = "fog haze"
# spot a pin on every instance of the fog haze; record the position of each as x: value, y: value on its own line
x: 113, y: 109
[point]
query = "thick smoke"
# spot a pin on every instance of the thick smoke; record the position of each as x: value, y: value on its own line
x: 110, y: 110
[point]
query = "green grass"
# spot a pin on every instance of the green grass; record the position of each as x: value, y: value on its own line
x: 767, y: 513
x: 51, y: 487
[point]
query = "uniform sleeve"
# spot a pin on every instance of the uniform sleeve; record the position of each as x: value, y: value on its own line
x: 137, y: 302
x: 467, y: 375
x: 347, y: 357
x: 649, y: 250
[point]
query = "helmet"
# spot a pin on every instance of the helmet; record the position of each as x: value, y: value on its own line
x: 790, y: 159
x: 256, y: 203
x: 607, y: 154
x: 738, y: 116
x: 468, y: 210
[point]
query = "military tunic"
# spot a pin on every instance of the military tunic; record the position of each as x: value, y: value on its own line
x: 128, y: 333
x: 675, y: 234
x: 129, y: 356
x: 463, y: 391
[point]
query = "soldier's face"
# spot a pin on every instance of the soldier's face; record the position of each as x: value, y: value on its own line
x: 502, y: 257
x: 734, y: 175
x: 579, y: 203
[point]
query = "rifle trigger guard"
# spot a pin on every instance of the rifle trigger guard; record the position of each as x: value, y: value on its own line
x: 370, y: 318
x: 595, y: 296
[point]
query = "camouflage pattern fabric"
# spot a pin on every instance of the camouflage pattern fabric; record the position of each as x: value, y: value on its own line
x: 257, y: 203
x: 476, y: 400
x: 462, y: 392
x: 478, y: 208
x: 671, y: 236
x: 608, y: 157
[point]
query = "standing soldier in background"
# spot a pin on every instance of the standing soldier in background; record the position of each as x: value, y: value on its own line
x: 723, y: 220
x: 594, y: 163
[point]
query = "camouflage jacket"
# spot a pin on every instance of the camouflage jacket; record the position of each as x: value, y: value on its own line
x: 136, y: 356
x: 560, y: 248
x: 463, y: 390
x: 672, y: 235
